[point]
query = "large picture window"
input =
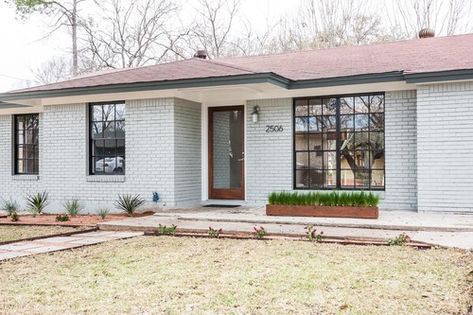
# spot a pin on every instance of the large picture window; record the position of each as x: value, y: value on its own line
x: 107, y: 138
x: 26, y: 144
x: 339, y: 142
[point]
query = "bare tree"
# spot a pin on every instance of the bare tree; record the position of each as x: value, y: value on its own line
x: 446, y: 17
x: 133, y: 34
x: 213, y: 26
x: 64, y: 13
x: 54, y: 70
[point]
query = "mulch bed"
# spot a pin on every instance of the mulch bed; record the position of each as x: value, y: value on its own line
x: 79, y: 220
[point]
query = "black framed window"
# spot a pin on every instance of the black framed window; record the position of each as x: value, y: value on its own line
x: 107, y: 138
x: 26, y: 143
x: 339, y: 142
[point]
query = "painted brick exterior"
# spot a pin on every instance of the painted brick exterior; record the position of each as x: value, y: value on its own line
x: 400, y: 151
x: 156, y: 132
x: 268, y: 155
x: 445, y: 142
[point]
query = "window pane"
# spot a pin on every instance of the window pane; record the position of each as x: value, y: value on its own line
x: 330, y: 159
x: 361, y: 122
x: 330, y: 178
x: 330, y: 141
x: 97, y: 113
x: 362, y: 179
x: 110, y: 147
x: 121, y: 147
x: 347, y: 122
x: 109, y: 130
x: 20, y: 168
x: 330, y: 123
x: 316, y: 159
x: 377, y: 158
x: 35, y: 166
x: 301, y: 141
x: 120, y: 112
x: 346, y: 105
x: 97, y: 130
x: 361, y: 141
x: 361, y: 105
x: 377, y: 103
x: 315, y: 107
x: 316, y: 178
x: 377, y: 179
x: 29, y: 166
x: 362, y: 159
x: 110, y: 164
x: 98, y: 148
x: 315, y: 141
x: 30, y: 152
x: 108, y: 112
x: 376, y: 141
x: 120, y: 129
x: 377, y: 122
x: 315, y: 123
x: 347, y: 178
x: 302, y: 160
x: 301, y: 108
x: 302, y: 178
x: 301, y: 124
x: 20, y: 152
x: 330, y: 106
x: 98, y: 166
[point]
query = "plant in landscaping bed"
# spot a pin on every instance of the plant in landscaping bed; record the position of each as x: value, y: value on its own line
x: 399, y: 240
x: 129, y: 203
x: 214, y: 232
x: 103, y: 212
x: 167, y: 230
x: 14, y: 217
x: 72, y: 207
x: 10, y: 206
x: 260, y: 232
x: 312, y: 234
x: 37, y: 202
x: 352, y: 199
x: 62, y: 218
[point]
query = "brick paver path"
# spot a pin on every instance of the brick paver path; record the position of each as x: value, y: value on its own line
x: 52, y: 244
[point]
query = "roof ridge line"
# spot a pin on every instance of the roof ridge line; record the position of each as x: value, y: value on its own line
x: 225, y: 64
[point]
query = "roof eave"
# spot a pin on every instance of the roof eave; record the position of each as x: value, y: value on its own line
x: 439, y: 76
x: 146, y: 86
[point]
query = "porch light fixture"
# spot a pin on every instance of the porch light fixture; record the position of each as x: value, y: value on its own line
x: 255, y: 114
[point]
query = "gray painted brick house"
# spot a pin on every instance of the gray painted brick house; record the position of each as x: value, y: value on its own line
x: 393, y: 118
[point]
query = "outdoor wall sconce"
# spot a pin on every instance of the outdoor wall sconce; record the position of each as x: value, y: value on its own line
x: 255, y: 114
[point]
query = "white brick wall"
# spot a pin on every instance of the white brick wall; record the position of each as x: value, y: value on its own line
x: 153, y: 139
x: 445, y: 147
x: 400, y: 151
x: 268, y: 155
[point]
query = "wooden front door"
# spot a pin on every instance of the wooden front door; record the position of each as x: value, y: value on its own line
x: 226, y: 153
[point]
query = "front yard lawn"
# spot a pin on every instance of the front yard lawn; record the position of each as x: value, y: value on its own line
x: 176, y: 275
x: 16, y: 232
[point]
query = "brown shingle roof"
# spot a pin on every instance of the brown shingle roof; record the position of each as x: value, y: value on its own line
x: 411, y: 56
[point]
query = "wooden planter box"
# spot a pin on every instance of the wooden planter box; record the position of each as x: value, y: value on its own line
x: 323, y: 211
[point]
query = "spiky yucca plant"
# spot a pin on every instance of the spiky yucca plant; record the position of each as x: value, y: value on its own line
x: 129, y: 203
x: 10, y: 206
x: 37, y: 202
x: 72, y: 207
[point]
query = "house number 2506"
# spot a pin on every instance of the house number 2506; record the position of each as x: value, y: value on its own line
x: 274, y: 128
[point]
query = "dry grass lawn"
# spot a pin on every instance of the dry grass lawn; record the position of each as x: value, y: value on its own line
x: 171, y: 275
x: 17, y: 232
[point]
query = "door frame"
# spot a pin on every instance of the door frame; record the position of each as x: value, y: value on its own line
x: 230, y: 194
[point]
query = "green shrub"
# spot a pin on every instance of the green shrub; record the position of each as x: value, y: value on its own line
x: 62, y: 218
x: 103, y: 212
x: 399, y: 240
x: 260, y: 232
x: 129, y: 203
x: 312, y: 234
x: 37, y: 202
x: 10, y: 206
x: 72, y: 207
x: 350, y: 199
x: 214, y: 233
x: 167, y: 230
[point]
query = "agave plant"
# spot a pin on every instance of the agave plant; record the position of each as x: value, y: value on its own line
x: 10, y: 206
x: 103, y: 212
x: 37, y: 202
x: 72, y: 207
x: 129, y: 203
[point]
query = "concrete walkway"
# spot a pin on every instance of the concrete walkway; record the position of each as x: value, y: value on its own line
x: 453, y: 234
x: 52, y: 244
